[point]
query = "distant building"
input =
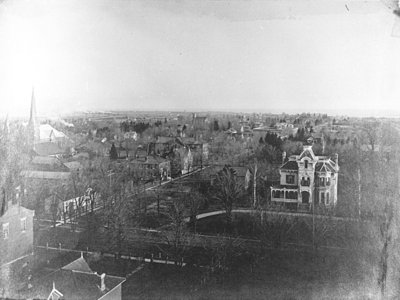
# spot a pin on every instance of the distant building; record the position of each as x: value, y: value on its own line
x: 44, y: 168
x: 246, y: 131
x: 152, y: 168
x: 199, y: 122
x: 305, y: 178
x: 16, y: 225
x: 42, y: 171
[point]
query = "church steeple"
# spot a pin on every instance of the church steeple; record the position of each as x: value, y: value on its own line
x: 32, y: 117
x: 33, y: 122
x: 6, y: 127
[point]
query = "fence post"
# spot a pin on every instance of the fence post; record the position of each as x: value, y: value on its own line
x: 152, y: 257
x: 59, y: 247
x: 47, y: 245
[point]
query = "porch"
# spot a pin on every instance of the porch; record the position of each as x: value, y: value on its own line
x: 284, y: 194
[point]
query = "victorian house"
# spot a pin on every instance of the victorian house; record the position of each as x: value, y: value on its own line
x: 305, y: 178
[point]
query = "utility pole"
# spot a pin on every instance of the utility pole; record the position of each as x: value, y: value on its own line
x: 255, y: 185
x: 359, y: 192
x: 313, y: 223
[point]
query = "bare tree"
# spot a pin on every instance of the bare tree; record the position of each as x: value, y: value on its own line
x: 274, y: 230
x: 118, y: 214
x: 178, y: 238
x: 195, y: 201
x: 229, y: 191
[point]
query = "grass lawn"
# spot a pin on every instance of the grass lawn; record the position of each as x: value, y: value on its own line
x: 275, y: 276
x: 244, y: 225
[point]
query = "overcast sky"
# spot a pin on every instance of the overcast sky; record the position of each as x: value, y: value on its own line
x: 272, y: 56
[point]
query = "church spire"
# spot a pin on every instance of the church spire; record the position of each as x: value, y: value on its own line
x: 32, y: 118
x: 33, y: 123
x: 6, y: 127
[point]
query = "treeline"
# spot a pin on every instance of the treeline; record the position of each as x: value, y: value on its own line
x: 127, y: 126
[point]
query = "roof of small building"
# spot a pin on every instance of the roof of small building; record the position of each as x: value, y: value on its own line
x: 47, y: 149
x: 46, y: 130
x: 73, y: 165
x: 45, y: 160
x: 231, y: 131
x: 290, y: 165
x: 47, y: 164
x: 85, y: 155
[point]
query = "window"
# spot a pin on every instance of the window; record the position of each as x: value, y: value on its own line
x: 316, y: 197
x: 328, y: 181
x: 23, y: 224
x: 327, y: 198
x: 5, y: 231
x: 290, y: 179
x: 322, y: 197
x: 305, y: 181
x: 306, y: 164
x: 322, y: 181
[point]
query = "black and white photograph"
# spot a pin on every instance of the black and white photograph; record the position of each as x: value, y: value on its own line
x: 187, y: 149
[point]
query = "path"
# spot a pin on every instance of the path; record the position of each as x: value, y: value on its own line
x: 154, y: 204
x: 220, y: 212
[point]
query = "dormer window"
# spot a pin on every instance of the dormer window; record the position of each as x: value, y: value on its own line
x: 306, y: 164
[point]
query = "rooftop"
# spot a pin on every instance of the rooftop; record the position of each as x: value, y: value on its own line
x: 47, y: 149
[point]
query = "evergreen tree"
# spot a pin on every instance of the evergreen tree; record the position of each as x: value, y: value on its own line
x: 216, y: 125
x: 113, y: 152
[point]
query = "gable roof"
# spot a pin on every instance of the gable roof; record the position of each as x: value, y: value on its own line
x: 307, y: 153
x: 79, y: 265
x: 325, y: 166
x: 47, y: 131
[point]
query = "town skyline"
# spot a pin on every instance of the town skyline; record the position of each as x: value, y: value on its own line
x: 220, y: 56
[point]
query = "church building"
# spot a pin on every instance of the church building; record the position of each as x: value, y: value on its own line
x: 45, y: 139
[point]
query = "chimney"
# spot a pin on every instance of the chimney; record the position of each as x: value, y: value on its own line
x: 283, y: 157
x: 103, y: 285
